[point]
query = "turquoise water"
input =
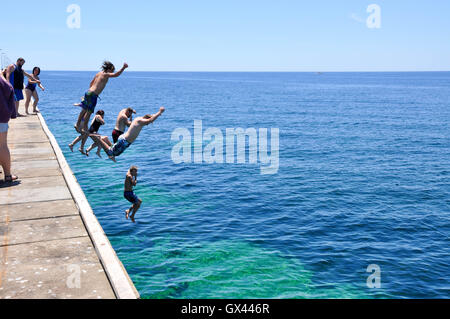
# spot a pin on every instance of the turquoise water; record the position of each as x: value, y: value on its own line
x: 363, y: 179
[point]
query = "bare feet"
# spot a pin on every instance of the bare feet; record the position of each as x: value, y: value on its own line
x: 113, y: 158
x: 99, y: 154
x: 127, y: 214
x: 71, y: 147
x: 82, y: 151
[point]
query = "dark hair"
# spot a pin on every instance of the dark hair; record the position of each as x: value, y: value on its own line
x: 130, y: 110
x: 100, y: 112
x: 37, y: 68
x: 108, y: 66
x: 133, y: 168
x: 20, y: 59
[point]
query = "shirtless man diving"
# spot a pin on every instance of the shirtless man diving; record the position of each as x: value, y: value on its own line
x: 128, y: 138
x: 96, y: 87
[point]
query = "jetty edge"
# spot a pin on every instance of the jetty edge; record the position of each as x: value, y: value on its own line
x: 47, y: 227
x: 120, y: 281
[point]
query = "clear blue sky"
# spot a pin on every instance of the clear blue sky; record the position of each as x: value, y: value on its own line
x: 229, y: 35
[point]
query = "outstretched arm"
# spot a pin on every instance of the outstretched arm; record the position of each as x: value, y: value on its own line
x: 117, y: 74
x: 29, y: 76
x: 154, y: 117
x: 32, y: 80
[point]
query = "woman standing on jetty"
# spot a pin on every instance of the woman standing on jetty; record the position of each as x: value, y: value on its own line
x: 30, y: 90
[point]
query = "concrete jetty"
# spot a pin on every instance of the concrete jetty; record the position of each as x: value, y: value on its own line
x: 51, y: 244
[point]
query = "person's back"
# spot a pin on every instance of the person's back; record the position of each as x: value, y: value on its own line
x: 134, y: 130
x: 7, y: 102
x: 7, y: 111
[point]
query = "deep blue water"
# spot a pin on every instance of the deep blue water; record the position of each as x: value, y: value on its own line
x: 364, y: 179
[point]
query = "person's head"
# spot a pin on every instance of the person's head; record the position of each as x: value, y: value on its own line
x: 133, y: 170
x: 36, y: 71
x: 108, y: 67
x: 101, y: 113
x: 129, y: 112
x: 20, y: 62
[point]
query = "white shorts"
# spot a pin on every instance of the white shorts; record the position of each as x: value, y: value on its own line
x: 4, y: 127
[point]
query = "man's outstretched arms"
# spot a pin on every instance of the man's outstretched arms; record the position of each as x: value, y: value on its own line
x: 153, y: 117
x: 117, y: 74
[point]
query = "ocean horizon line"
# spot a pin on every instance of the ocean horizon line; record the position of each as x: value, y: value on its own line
x: 315, y: 72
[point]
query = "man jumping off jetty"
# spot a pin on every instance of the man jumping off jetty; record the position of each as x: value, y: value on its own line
x: 128, y: 138
x: 97, y: 86
x: 124, y: 119
x: 130, y: 181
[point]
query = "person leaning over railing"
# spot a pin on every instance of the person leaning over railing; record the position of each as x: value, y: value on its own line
x: 7, y: 112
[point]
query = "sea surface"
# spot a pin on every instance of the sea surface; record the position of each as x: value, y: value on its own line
x: 364, y: 179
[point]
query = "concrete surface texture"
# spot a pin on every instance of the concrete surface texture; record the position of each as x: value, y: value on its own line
x: 46, y: 250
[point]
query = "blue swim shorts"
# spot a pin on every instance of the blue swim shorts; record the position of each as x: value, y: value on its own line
x: 118, y: 148
x: 89, y: 101
x: 131, y: 197
x: 4, y: 127
x: 18, y: 94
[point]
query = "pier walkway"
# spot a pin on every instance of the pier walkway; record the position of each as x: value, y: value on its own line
x: 51, y: 244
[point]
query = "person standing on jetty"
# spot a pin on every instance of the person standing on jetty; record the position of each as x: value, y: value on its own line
x: 98, y: 84
x: 128, y: 138
x: 123, y: 120
x: 30, y: 90
x: 16, y: 75
x: 7, y: 112
x: 130, y: 182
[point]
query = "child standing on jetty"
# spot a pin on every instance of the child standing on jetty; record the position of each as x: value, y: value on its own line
x: 130, y: 181
x: 97, y: 86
